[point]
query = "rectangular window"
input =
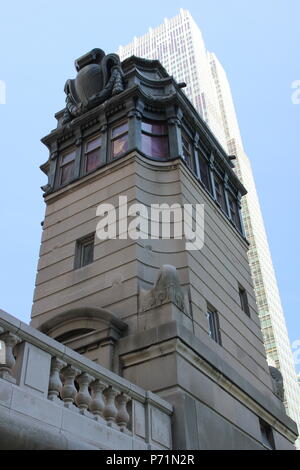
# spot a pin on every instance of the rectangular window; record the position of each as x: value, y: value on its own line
x: 84, y: 251
x: 244, y: 300
x: 213, y: 325
x: 155, y: 139
x: 267, y: 434
x: 220, y: 194
x: 204, y: 172
x: 187, y: 151
x: 92, y: 153
x: 67, y: 164
x: 119, y: 139
x: 234, y: 212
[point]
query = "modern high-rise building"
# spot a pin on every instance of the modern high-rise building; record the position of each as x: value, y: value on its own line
x: 179, y: 45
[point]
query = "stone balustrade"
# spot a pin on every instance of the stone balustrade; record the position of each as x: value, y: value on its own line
x: 71, y: 401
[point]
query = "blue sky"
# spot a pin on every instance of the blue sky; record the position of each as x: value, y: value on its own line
x: 256, y: 41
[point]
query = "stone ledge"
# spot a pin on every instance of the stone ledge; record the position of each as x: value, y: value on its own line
x: 31, y: 422
x: 172, y: 330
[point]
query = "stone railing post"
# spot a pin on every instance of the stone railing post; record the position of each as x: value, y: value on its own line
x: 110, y: 410
x: 68, y: 391
x: 83, y: 398
x: 97, y: 404
x: 10, y: 340
x: 123, y: 415
x: 55, y: 383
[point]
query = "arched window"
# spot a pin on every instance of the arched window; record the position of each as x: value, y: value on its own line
x: 155, y: 139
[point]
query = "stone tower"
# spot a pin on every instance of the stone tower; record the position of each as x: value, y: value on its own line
x: 171, y: 315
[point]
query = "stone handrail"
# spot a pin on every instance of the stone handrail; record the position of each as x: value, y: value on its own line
x: 73, y: 385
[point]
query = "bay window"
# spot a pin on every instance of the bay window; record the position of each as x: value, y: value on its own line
x: 155, y: 139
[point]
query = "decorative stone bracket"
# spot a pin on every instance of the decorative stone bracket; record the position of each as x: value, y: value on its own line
x: 166, y: 289
x: 277, y: 382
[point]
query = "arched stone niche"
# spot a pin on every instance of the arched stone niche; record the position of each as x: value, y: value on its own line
x: 93, y: 332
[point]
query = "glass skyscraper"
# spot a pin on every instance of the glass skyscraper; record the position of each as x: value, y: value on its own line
x: 179, y: 45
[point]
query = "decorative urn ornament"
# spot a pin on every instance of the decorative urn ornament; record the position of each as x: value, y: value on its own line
x: 99, y: 77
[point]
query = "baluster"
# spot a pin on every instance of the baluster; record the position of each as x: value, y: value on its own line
x: 97, y: 404
x: 122, y: 416
x: 55, y: 383
x: 10, y: 340
x: 83, y: 397
x: 68, y: 391
x: 110, y: 410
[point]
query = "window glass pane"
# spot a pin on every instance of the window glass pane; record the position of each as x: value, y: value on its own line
x: 87, y: 253
x: 118, y: 130
x: 244, y: 300
x: 213, y: 326
x: 267, y: 434
x: 119, y: 146
x: 156, y: 147
x: 93, y: 159
x: 210, y: 324
x: 154, y: 127
x: 234, y: 213
x: 93, y: 144
x: 84, y: 251
x: 220, y: 193
x: 187, y: 151
x: 204, y: 172
x: 68, y: 157
x: 186, y: 146
x: 67, y: 172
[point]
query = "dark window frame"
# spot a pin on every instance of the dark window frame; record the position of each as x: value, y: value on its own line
x: 118, y: 137
x: 80, y: 247
x: 220, y: 195
x: 154, y: 135
x: 214, y: 331
x: 244, y: 300
x: 234, y: 213
x: 189, y: 159
x: 267, y: 434
x: 86, y: 152
x: 64, y: 165
x: 205, y: 177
